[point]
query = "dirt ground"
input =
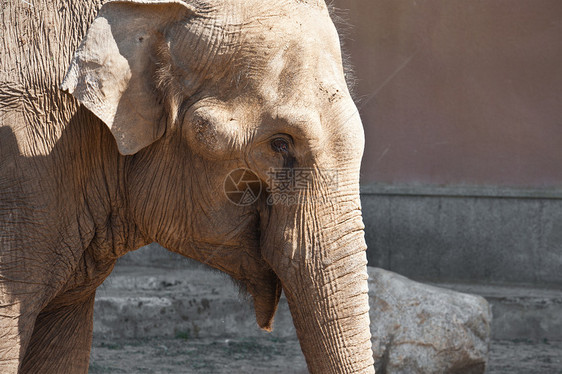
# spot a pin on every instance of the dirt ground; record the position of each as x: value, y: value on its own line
x: 183, y: 354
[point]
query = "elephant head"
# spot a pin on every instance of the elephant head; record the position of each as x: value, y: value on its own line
x: 205, y: 96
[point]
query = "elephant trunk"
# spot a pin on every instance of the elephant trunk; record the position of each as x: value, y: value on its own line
x: 322, y: 268
x: 332, y: 322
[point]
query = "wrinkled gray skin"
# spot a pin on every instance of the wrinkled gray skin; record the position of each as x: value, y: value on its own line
x: 161, y: 101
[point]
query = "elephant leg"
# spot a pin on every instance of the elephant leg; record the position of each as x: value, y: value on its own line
x: 21, y: 302
x: 16, y: 328
x: 61, y: 339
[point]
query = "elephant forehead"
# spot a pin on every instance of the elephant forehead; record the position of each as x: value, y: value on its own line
x: 301, y: 73
x: 294, y: 61
x: 277, y: 50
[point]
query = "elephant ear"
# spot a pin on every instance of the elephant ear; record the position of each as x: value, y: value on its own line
x: 112, y: 72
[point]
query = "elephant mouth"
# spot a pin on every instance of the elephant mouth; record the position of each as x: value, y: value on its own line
x: 266, y: 295
x: 250, y: 272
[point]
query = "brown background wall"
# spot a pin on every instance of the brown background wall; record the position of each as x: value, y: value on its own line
x: 456, y: 92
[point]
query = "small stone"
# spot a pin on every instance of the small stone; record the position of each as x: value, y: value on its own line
x: 421, y: 329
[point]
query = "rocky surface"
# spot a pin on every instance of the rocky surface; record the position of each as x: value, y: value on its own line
x: 421, y: 329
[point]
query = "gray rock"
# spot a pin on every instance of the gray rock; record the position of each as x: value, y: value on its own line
x: 423, y: 329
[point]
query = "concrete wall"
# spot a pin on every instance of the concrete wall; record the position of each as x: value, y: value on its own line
x: 476, y: 235
x: 459, y: 92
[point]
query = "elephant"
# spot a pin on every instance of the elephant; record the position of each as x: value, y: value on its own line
x: 121, y: 123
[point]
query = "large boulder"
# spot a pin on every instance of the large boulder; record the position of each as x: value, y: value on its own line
x: 422, y: 329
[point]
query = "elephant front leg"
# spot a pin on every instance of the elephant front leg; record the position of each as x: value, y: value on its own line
x: 15, y: 332
x: 61, y: 339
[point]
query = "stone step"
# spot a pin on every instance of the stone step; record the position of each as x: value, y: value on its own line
x: 195, y: 301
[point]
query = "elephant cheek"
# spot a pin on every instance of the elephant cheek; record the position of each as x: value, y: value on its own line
x: 265, y: 293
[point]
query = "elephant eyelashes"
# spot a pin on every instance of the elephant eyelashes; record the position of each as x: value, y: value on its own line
x: 280, y: 145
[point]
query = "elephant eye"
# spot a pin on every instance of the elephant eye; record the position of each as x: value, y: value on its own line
x: 280, y: 145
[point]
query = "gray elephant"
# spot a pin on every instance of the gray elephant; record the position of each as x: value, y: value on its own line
x: 165, y: 105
